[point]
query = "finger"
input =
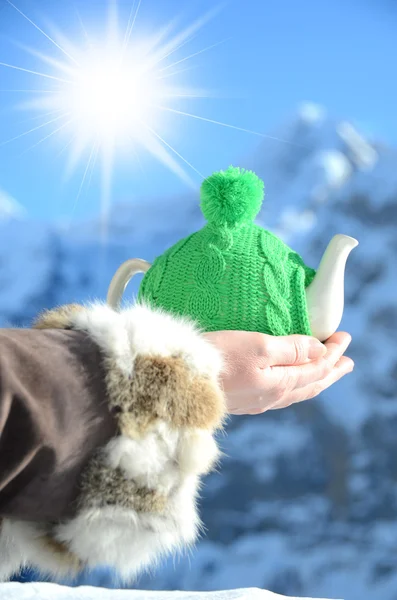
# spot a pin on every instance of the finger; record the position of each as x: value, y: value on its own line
x: 291, y: 349
x: 250, y: 411
x: 336, y: 346
x: 343, y: 367
x: 338, y: 338
x: 283, y: 380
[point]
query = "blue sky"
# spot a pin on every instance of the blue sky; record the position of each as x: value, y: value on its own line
x: 275, y: 54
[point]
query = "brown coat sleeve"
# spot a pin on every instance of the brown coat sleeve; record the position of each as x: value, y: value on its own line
x: 53, y: 416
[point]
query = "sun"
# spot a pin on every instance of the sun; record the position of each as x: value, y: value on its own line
x: 108, y: 99
x: 111, y: 97
x: 105, y: 95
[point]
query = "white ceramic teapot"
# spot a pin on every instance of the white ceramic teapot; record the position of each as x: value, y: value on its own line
x: 270, y: 275
x: 324, y: 296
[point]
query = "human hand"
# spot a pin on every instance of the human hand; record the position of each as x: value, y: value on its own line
x: 264, y: 372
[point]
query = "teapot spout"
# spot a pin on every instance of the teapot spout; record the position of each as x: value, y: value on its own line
x: 326, y: 294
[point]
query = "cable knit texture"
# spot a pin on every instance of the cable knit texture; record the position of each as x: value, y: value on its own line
x: 232, y: 274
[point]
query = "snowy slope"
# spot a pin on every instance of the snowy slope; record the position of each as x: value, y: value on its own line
x: 48, y: 591
x: 306, y: 502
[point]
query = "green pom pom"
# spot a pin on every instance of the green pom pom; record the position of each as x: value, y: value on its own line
x: 232, y: 197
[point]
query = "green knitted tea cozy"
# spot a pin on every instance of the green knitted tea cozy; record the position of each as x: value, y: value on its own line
x: 232, y: 274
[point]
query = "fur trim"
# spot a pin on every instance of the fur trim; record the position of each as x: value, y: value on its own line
x: 158, y: 367
x: 138, y: 494
x: 25, y: 544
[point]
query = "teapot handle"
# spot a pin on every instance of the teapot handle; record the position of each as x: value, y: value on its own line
x: 121, y: 279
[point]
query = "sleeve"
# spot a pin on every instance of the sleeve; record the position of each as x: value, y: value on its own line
x: 53, y: 416
x: 107, y: 425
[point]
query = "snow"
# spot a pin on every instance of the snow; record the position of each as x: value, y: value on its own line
x: 9, y: 207
x: 249, y: 439
x: 48, y: 591
x: 311, y: 112
x: 363, y: 153
x: 336, y: 167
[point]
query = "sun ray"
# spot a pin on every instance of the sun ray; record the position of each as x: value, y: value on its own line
x: 105, y: 205
x: 132, y: 9
x: 82, y: 26
x: 55, y: 131
x: 130, y: 27
x: 49, y: 60
x: 3, y: 64
x: 213, y: 121
x: 162, y: 57
x: 106, y: 187
x: 17, y: 137
x: 181, y: 39
x: 71, y: 48
x: 94, y: 159
x: 41, y: 103
x: 206, y: 49
x: 31, y: 91
x: 112, y: 22
x: 176, y: 152
x: 76, y: 154
x: 41, y: 116
x: 82, y: 181
x: 156, y: 149
x: 155, y: 40
x: 65, y: 147
x: 42, y: 32
x: 173, y: 73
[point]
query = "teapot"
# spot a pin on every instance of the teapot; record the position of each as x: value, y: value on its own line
x: 233, y: 274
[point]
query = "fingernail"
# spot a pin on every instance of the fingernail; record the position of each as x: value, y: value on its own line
x: 317, y: 350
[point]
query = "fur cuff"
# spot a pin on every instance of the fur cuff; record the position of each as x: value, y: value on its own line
x: 138, y: 494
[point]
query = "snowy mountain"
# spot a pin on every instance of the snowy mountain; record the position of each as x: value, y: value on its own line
x: 306, y: 502
x: 9, y: 207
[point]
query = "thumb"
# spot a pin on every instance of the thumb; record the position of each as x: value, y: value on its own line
x: 292, y: 350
